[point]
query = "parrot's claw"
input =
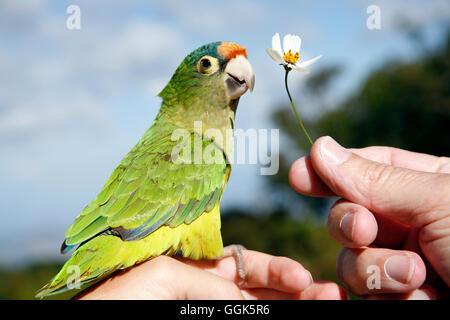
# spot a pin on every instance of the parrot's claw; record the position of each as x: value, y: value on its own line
x: 235, y: 250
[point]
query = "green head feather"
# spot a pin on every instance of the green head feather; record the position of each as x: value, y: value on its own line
x: 188, y: 86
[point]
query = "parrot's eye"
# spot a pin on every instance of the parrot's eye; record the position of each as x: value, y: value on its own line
x: 205, y: 63
x: 208, y: 65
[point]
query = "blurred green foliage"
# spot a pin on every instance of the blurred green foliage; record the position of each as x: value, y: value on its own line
x: 405, y: 105
x: 23, y: 282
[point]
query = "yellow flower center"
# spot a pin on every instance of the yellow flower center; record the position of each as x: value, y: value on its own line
x: 291, y: 58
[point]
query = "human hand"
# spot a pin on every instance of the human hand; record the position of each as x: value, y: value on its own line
x: 395, y: 201
x: 268, y: 277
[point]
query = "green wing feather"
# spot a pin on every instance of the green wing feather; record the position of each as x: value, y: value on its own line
x: 148, y: 190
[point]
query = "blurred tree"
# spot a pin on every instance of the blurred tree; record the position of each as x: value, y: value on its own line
x: 401, y: 105
x: 319, y: 82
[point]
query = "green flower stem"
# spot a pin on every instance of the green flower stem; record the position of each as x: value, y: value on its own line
x: 293, y: 105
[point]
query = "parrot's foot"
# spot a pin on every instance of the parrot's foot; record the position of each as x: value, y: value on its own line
x: 235, y: 250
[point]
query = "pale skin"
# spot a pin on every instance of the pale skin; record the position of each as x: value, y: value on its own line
x: 394, y: 213
x: 267, y: 277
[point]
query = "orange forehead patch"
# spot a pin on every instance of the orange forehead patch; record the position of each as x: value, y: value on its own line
x: 229, y: 50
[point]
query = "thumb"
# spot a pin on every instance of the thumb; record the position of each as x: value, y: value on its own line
x: 402, y: 194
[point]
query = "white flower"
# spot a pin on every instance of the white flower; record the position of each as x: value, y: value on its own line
x: 290, y: 54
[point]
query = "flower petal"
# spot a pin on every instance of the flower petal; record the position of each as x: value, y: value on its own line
x: 300, y: 69
x: 275, y: 55
x: 287, y: 42
x: 276, y: 43
x: 307, y: 62
x: 295, y: 44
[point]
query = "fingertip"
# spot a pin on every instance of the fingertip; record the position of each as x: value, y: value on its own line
x: 315, y: 148
x: 327, y: 157
x: 315, y: 151
x: 389, y: 271
x: 365, y: 228
x: 406, y: 268
x: 293, y: 277
x: 419, y: 273
x: 351, y: 224
x: 298, y: 174
x: 329, y: 151
x: 304, y: 179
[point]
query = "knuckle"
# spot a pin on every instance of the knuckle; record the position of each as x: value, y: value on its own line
x: 376, y: 179
x: 433, y: 203
x: 377, y: 175
x: 434, y: 231
x: 442, y: 200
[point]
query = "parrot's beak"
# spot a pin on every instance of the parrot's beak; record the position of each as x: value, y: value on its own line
x: 239, y: 77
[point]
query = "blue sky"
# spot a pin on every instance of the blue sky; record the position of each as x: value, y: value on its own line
x: 72, y: 103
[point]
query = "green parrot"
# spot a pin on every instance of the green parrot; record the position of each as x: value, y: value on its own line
x: 156, y: 202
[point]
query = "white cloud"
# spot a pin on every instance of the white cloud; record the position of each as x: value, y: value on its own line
x: 138, y: 44
x: 49, y: 115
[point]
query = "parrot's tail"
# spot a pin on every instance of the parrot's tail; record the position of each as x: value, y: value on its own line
x: 92, y: 261
x: 100, y: 257
x: 105, y: 254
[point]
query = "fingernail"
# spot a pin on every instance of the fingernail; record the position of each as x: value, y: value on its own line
x: 399, y: 268
x: 346, y: 225
x: 332, y: 152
